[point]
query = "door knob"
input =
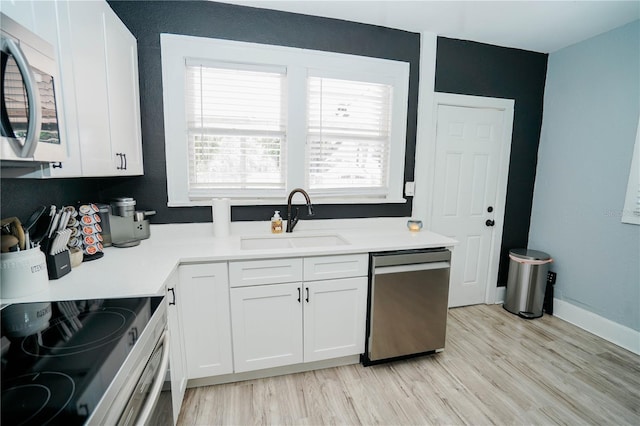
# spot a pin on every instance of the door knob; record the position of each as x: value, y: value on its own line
x: 490, y: 222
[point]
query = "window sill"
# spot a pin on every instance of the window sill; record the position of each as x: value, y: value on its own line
x: 279, y: 200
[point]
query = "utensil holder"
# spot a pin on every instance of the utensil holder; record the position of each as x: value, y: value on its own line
x: 22, y: 273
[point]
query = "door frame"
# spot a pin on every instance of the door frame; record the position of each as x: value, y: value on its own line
x: 425, y: 174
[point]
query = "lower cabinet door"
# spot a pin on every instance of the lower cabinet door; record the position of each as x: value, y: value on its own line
x: 334, y: 318
x: 267, y: 326
x: 203, y: 297
x: 177, y: 362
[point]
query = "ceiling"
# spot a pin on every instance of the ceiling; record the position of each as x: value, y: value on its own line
x: 539, y: 26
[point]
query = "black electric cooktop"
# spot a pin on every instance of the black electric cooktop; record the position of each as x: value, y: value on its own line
x: 58, y: 358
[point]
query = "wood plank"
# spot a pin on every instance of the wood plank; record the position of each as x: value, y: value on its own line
x: 496, y: 369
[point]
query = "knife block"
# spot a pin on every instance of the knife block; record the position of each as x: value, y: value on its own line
x: 58, y: 265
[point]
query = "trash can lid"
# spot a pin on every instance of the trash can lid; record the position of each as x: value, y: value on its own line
x: 529, y: 254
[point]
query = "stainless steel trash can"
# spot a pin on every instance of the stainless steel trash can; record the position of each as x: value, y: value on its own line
x: 527, y: 281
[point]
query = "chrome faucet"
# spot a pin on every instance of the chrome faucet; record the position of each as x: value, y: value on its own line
x: 292, y: 219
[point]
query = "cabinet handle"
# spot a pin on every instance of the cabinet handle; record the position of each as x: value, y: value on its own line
x: 133, y: 333
x: 123, y: 161
x: 173, y: 292
x: 299, y: 295
x: 307, y: 290
x: 57, y: 165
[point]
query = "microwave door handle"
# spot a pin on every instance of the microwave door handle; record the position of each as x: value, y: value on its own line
x: 33, y: 97
x: 156, y: 388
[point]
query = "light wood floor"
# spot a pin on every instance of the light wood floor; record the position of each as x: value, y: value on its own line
x: 496, y: 369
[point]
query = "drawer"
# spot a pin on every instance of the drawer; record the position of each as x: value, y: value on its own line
x: 269, y: 271
x: 331, y: 267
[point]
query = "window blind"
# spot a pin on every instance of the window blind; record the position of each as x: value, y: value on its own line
x: 236, y: 125
x: 348, y: 136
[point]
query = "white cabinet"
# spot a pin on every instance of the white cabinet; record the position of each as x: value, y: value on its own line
x: 341, y: 266
x: 98, y: 88
x: 22, y: 12
x: 271, y: 271
x: 121, y: 55
x: 297, y: 321
x: 107, y: 105
x: 334, y: 318
x: 203, y: 298
x: 177, y: 362
x: 87, y: 56
x: 267, y: 326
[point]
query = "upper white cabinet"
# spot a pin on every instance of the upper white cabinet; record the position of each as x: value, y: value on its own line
x: 87, y: 55
x: 105, y: 71
x: 22, y: 12
x: 123, y: 96
x: 98, y: 89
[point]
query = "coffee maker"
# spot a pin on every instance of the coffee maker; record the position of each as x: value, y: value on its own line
x: 125, y: 226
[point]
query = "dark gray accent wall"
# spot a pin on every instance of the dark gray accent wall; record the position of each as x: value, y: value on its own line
x: 20, y: 197
x: 469, y: 68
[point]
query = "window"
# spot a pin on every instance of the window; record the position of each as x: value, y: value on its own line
x: 348, y: 136
x: 254, y: 128
x: 236, y: 128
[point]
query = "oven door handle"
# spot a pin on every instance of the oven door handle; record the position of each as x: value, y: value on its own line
x: 158, y: 381
x: 27, y: 150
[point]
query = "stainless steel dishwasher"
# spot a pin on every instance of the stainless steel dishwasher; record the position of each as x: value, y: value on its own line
x: 408, y: 304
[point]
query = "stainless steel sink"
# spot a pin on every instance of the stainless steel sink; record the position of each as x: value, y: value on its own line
x: 282, y: 242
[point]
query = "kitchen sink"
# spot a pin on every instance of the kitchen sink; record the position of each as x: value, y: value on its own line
x: 280, y: 242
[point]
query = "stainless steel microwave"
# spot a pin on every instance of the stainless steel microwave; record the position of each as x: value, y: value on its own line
x: 30, y: 127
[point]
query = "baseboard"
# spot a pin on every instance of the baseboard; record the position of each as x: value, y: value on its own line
x: 615, y: 333
x: 500, y: 293
x: 275, y: 371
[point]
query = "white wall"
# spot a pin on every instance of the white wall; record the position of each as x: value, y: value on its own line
x: 591, y: 110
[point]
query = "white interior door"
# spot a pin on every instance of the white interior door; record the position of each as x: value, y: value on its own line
x: 471, y: 161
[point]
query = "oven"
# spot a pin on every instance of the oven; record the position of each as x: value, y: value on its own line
x: 85, y: 362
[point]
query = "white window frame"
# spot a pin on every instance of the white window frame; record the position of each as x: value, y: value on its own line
x: 176, y: 49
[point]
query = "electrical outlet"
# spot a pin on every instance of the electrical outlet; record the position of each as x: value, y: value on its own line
x: 409, y: 189
x: 551, y: 277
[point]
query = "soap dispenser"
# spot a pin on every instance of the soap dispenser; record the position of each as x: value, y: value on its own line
x: 276, y: 223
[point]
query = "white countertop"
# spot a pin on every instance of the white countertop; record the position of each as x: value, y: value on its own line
x: 143, y: 270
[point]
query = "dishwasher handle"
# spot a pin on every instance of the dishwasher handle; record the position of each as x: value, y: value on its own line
x: 411, y: 268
